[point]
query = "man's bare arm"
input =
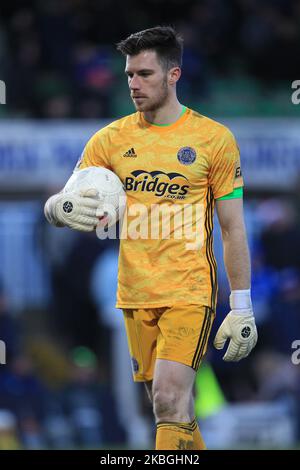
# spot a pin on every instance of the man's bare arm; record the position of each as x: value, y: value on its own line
x: 235, y: 245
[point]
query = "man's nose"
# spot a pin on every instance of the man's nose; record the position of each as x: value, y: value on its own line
x: 134, y: 83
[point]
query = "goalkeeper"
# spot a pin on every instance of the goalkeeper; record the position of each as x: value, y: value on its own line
x: 166, y: 152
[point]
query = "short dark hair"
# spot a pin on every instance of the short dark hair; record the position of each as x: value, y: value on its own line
x: 167, y: 43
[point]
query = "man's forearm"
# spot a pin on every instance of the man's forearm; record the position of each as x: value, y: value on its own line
x: 236, y: 258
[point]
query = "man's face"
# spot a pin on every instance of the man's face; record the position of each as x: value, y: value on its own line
x: 147, y: 80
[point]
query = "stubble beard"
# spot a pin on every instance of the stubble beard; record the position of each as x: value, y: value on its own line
x: 157, y: 102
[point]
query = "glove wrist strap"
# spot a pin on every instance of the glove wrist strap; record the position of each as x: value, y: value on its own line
x: 240, y: 300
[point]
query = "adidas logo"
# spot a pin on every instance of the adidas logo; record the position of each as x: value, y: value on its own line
x: 130, y: 153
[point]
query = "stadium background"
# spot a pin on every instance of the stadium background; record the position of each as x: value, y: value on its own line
x: 67, y: 381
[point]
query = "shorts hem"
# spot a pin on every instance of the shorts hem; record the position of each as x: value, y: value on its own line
x: 144, y: 306
x: 142, y: 378
x: 162, y: 305
x: 176, y: 359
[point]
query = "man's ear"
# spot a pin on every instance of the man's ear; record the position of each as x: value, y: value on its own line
x: 174, y: 75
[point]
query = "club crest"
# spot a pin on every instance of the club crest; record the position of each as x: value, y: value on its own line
x: 186, y: 155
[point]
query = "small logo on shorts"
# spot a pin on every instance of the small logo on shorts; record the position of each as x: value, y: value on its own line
x: 186, y: 155
x: 135, y: 365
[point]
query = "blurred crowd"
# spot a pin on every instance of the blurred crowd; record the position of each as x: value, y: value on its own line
x: 58, y: 58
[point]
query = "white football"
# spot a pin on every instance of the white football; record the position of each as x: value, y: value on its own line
x: 109, y: 186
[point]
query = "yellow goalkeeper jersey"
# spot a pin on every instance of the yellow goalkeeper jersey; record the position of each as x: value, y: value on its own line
x: 172, y: 175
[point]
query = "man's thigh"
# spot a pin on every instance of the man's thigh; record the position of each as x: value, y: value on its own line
x: 183, y: 334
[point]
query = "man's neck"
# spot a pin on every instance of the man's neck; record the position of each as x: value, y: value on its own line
x: 168, y: 114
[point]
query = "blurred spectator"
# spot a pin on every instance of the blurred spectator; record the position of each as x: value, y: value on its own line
x: 89, y: 405
x: 8, y: 431
x: 276, y: 376
x: 280, y: 234
x: 284, y: 322
x: 23, y: 394
x: 270, y: 35
x: 93, y: 74
x: 9, y: 329
x: 264, y: 286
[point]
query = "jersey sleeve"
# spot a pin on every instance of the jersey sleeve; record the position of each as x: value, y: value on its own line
x: 95, y: 153
x: 225, y: 171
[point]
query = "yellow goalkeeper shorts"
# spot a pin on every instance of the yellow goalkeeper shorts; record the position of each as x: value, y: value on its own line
x: 178, y: 333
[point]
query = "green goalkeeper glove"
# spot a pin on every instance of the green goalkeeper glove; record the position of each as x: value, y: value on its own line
x: 238, y: 326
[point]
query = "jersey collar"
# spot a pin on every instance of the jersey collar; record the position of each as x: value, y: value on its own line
x: 162, y: 128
